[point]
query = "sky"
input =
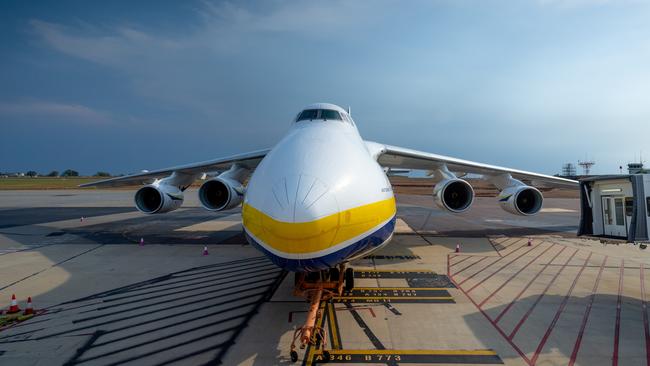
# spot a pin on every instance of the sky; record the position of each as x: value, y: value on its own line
x: 122, y: 86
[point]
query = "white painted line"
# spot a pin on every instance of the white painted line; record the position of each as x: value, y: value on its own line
x: 556, y: 210
x: 227, y: 223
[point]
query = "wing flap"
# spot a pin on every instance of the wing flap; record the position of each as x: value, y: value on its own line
x: 249, y: 160
x: 397, y: 157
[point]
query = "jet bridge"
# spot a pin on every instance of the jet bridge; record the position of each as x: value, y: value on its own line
x: 615, y: 206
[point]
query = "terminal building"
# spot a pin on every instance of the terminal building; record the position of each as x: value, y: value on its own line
x: 616, y: 206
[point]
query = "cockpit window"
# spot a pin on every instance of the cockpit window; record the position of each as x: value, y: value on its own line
x: 330, y: 114
x: 308, y: 114
x: 325, y: 114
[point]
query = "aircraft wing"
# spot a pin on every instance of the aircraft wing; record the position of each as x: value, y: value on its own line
x: 402, y: 158
x: 248, y: 160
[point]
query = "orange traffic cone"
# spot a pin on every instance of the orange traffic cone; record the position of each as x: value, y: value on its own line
x: 205, y: 250
x: 30, y: 308
x: 13, y: 309
x: 458, y: 248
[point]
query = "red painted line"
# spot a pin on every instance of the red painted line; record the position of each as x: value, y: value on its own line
x: 645, y: 317
x: 617, y: 330
x: 539, y: 298
x: 466, y: 267
x: 499, y: 270
x: 448, y: 267
x: 462, y: 260
x: 576, y: 347
x: 488, y: 266
x: 503, y: 243
x: 503, y: 312
x: 514, y: 275
x: 503, y: 334
x: 517, y: 240
x: 558, y: 313
x: 495, y: 247
x: 500, y: 243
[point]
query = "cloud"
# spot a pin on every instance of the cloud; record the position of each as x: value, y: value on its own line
x: 185, y: 70
x: 109, y: 46
x: 52, y: 112
x: 579, y: 4
x: 221, y: 27
x: 305, y: 18
x: 238, y: 69
x: 573, y: 3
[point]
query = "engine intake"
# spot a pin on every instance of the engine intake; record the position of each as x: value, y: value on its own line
x: 455, y: 195
x: 521, y: 200
x: 153, y: 199
x: 221, y: 194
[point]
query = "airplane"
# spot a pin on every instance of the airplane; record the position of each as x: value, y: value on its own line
x: 321, y: 198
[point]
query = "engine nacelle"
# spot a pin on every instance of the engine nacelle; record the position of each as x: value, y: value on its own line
x: 521, y: 200
x: 455, y: 195
x: 158, y: 198
x: 219, y: 194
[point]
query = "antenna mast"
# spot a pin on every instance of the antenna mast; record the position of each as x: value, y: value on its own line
x: 586, y: 166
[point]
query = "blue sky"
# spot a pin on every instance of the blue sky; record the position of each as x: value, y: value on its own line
x: 125, y: 86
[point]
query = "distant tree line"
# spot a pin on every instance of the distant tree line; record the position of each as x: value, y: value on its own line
x: 54, y: 173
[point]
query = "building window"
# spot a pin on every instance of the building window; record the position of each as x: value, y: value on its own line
x: 629, y: 205
x: 618, y: 206
x: 647, y: 201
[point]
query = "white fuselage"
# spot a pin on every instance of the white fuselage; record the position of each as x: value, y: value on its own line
x: 318, y: 198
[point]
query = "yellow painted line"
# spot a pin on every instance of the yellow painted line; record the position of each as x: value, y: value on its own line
x: 462, y: 352
x: 392, y: 270
x: 333, y: 328
x: 317, y: 235
x: 394, y: 297
x: 312, y: 351
x: 397, y: 288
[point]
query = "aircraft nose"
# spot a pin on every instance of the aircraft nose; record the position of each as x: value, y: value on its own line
x: 296, y: 218
x: 300, y: 199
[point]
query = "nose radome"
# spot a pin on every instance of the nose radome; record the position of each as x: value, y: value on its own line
x: 301, y: 198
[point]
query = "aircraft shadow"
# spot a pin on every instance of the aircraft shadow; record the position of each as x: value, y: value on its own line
x: 193, y: 315
x: 542, y: 330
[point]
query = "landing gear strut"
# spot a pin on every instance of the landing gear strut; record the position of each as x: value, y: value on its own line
x: 317, y: 287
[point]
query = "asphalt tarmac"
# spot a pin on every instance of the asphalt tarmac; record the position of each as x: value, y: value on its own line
x: 113, y: 286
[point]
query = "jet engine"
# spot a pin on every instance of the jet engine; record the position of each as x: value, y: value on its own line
x: 521, y: 200
x: 158, y: 198
x: 219, y: 194
x: 453, y: 194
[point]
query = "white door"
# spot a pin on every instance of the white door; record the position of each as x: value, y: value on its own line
x: 614, y: 220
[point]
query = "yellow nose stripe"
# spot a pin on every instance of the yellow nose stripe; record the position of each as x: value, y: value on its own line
x: 317, y: 235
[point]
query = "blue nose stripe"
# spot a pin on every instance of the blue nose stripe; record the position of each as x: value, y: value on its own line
x: 366, y: 244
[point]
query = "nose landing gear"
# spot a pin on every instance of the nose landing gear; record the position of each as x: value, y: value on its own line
x: 317, y: 287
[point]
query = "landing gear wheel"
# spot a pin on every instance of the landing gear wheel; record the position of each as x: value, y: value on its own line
x: 334, y: 274
x: 349, y: 279
x: 294, y: 356
x: 312, y: 276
